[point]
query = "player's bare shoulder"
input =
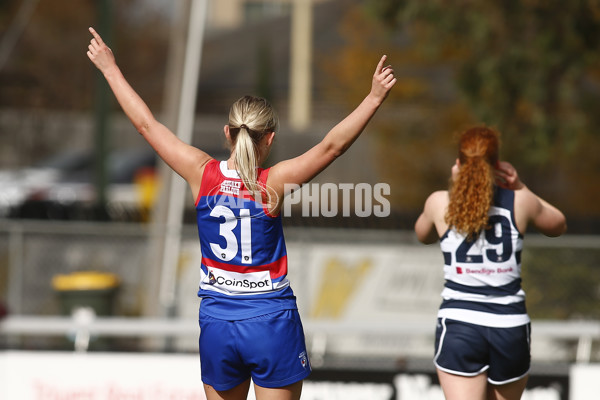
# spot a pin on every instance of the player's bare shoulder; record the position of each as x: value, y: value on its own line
x: 438, y: 200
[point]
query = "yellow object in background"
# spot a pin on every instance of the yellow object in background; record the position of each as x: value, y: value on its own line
x: 339, y: 282
x: 146, y: 181
x: 85, y: 280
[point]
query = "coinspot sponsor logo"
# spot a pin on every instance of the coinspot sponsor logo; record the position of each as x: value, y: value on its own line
x: 240, y: 284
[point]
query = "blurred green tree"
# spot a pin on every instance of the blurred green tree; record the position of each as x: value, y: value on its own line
x: 529, y: 68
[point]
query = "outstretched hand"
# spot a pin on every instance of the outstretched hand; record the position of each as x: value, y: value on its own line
x: 383, y: 80
x: 507, y: 177
x: 99, y: 53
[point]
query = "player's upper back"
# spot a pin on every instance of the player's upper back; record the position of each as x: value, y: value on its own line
x: 494, y: 258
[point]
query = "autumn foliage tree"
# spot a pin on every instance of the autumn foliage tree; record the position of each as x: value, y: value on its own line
x: 531, y: 69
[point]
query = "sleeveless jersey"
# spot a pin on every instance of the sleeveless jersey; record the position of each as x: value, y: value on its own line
x: 483, y: 276
x: 244, y: 259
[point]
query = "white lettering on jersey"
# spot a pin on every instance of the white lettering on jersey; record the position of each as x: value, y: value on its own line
x: 231, y: 187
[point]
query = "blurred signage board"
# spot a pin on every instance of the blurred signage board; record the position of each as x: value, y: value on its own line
x: 99, y: 376
x: 368, y: 281
x: 29, y: 375
x: 110, y: 376
x: 584, y: 382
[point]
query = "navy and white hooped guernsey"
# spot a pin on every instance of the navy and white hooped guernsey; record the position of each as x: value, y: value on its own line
x: 244, y: 258
x: 483, y: 276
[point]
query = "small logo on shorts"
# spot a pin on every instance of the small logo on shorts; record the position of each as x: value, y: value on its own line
x: 303, y: 359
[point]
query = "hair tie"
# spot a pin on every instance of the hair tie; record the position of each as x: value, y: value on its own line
x: 244, y: 126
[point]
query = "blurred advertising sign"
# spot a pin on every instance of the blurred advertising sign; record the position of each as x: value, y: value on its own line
x: 99, y: 376
x: 370, y: 281
x: 585, y: 382
x: 29, y: 375
x: 127, y: 376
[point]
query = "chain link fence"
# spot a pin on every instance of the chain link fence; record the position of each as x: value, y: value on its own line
x: 33, y: 253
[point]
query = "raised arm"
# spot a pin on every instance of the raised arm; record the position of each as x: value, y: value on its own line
x: 303, y: 168
x: 529, y: 207
x: 184, y: 159
x: 430, y: 225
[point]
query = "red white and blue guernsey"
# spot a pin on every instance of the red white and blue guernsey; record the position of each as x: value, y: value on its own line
x: 483, y: 276
x: 244, y: 258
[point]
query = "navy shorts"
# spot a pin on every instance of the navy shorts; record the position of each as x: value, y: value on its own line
x: 269, y: 348
x: 468, y: 350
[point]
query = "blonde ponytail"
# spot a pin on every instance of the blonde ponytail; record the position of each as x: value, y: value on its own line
x: 246, y: 160
x: 250, y: 119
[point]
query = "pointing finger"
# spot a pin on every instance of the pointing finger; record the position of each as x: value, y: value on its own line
x: 380, y: 64
x: 96, y: 35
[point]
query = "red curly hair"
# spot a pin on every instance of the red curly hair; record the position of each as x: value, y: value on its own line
x: 472, y: 190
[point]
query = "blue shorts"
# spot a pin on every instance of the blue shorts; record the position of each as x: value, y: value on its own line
x: 269, y: 348
x: 468, y: 350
